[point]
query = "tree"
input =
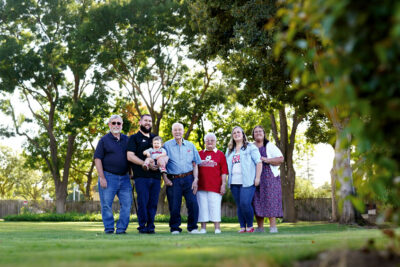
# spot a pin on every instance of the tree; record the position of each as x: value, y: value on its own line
x: 236, y: 31
x: 142, y: 49
x: 321, y: 130
x: 305, y: 189
x: 353, y: 48
x: 47, y: 59
x: 10, y: 172
x: 201, y: 95
x: 14, y: 181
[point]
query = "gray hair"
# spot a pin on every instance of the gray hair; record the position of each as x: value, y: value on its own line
x: 210, y: 135
x: 177, y: 124
x: 113, y: 117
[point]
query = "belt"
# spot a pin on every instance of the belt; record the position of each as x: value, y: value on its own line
x: 174, y: 176
x: 118, y: 174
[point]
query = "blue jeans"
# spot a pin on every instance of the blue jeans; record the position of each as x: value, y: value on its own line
x: 147, y: 190
x: 182, y: 187
x: 243, y: 197
x: 120, y: 186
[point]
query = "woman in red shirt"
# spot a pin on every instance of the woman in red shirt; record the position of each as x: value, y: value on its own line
x: 212, y: 180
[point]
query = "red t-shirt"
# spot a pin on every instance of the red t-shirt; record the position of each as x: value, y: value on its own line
x: 212, y: 166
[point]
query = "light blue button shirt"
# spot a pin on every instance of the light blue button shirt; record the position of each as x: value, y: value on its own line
x: 181, y: 157
x: 248, y: 161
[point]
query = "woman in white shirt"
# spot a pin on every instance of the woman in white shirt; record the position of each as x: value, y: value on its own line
x: 244, y: 166
x: 267, y: 200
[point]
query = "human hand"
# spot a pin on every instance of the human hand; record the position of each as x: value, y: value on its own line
x: 167, y: 182
x: 222, y: 190
x: 153, y: 167
x: 103, y: 182
x: 195, y: 186
x: 257, y: 181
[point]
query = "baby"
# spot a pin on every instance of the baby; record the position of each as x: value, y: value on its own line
x: 155, y: 153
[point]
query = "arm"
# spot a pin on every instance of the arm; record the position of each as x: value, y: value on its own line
x: 99, y: 168
x: 196, y: 177
x: 275, y: 157
x: 258, y: 173
x: 273, y: 161
x: 146, y: 153
x: 223, y: 185
x: 134, y: 159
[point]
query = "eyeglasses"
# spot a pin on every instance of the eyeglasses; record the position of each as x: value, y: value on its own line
x: 116, y: 122
x: 210, y: 141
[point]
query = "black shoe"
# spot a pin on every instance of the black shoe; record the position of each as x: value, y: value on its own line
x: 142, y: 232
x: 108, y: 232
x: 151, y: 232
x: 121, y: 233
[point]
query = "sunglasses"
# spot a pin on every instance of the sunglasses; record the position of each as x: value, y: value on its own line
x: 116, y: 122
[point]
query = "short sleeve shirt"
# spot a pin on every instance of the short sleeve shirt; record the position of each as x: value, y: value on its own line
x: 181, y: 157
x: 112, y: 153
x: 154, y: 153
x: 137, y: 144
x: 212, y: 166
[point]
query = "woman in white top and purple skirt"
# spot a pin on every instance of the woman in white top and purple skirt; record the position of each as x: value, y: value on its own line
x: 267, y: 201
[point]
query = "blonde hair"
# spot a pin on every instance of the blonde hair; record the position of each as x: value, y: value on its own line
x: 155, y: 138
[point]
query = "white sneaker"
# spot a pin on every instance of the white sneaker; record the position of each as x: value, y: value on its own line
x: 217, y: 231
x: 203, y: 231
x: 273, y: 230
x: 175, y: 232
x: 194, y: 231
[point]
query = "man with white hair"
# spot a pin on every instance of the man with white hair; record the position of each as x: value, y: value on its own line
x: 112, y: 168
x: 183, y: 172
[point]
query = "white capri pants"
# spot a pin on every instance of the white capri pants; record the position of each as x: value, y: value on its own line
x: 209, y: 206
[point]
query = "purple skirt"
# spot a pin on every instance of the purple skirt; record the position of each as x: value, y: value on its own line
x: 267, y: 201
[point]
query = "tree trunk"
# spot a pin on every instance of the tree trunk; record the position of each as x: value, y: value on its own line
x: 162, y: 200
x: 61, y: 197
x: 288, y: 174
x: 335, y: 214
x: 88, y: 189
x: 345, y: 179
x: 341, y: 171
x: 288, y: 182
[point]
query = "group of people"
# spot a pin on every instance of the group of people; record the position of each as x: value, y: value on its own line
x: 250, y: 169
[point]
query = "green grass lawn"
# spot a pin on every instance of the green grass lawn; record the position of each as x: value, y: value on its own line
x: 84, y: 244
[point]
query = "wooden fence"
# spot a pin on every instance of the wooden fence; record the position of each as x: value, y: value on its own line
x: 317, y: 209
x: 313, y: 209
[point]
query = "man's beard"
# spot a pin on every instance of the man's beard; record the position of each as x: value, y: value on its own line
x: 144, y: 129
x: 115, y: 131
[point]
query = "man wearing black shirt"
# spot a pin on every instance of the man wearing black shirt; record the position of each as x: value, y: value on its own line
x: 147, y: 183
x: 112, y: 167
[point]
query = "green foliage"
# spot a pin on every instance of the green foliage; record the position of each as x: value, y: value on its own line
x: 49, y: 60
x: 305, y: 189
x: 233, y: 115
x: 17, y: 180
x: 354, y: 48
x: 141, y: 48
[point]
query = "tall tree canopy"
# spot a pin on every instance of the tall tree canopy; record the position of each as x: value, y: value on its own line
x: 48, y: 60
x: 239, y: 31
